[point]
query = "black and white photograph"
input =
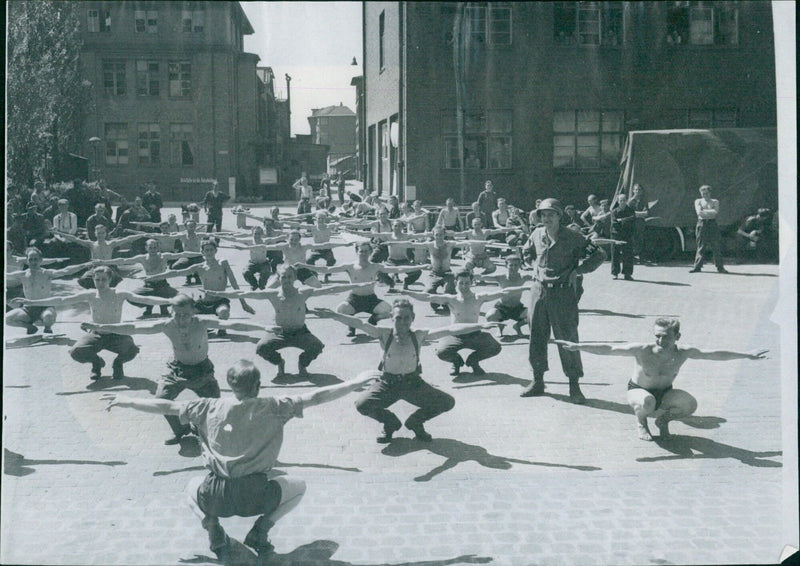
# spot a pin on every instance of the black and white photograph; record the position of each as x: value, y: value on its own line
x: 400, y: 283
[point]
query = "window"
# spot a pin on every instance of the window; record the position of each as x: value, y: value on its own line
x: 705, y: 24
x: 193, y: 20
x: 147, y: 80
x: 99, y: 20
x: 116, y: 136
x: 489, y: 22
x: 587, y: 23
x: 381, y: 40
x: 487, y: 140
x: 149, y: 144
x: 145, y: 21
x: 180, y: 78
x: 181, y: 140
x: 587, y: 139
x: 114, y: 77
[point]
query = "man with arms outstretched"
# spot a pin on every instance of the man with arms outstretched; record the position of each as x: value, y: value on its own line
x: 656, y: 365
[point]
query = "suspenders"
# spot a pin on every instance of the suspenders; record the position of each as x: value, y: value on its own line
x: 389, y: 343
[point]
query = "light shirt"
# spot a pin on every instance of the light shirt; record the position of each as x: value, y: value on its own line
x: 66, y: 222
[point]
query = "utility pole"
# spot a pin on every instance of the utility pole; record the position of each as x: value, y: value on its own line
x: 289, y: 102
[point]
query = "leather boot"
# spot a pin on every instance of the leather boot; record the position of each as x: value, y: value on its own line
x: 575, y: 394
x: 536, y: 387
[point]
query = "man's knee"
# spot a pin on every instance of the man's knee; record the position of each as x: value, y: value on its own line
x: 494, y: 316
x: 291, y: 488
x: 223, y: 312
x: 266, y: 350
x: 82, y: 354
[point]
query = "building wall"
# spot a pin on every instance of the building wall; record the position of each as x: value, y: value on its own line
x: 654, y: 84
x: 339, y: 132
x: 221, y: 108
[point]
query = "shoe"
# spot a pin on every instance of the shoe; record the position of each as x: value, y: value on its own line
x: 281, y: 370
x: 222, y: 332
x: 47, y: 330
x: 694, y: 270
x: 518, y: 326
x: 218, y: 540
x: 722, y: 270
x: 535, y: 389
x: 388, y: 431
x: 117, y: 372
x: 164, y: 311
x: 96, y: 368
x: 628, y: 277
x: 575, y: 394
x: 31, y: 330
x: 174, y: 440
x: 420, y: 433
x: 327, y: 278
x: 148, y: 311
x: 477, y: 369
x: 351, y: 332
x: 405, y: 285
x: 302, y: 371
x: 258, y: 538
x: 392, y: 290
x: 613, y: 276
x: 456, y: 367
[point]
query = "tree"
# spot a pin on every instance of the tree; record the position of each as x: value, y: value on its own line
x: 47, y: 97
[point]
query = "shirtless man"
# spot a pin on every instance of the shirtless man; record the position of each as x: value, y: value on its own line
x: 509, y: 307
x: 465, y: 308
x: 477, y: 255
x: 289, y: 328
x: 399, y: 372
x: 321, y: 234
x: 36, y: 284
x: 294, y: 253
x: 215, y: 276
x: 656, y: 366
x: 190, y: 242
x: 363, y: 299
x: 153, y: 262
x: 398, y: 255
x: 259, y: 263
x: 101, y: 249
x: 105, y: 304
x: 449, y: 216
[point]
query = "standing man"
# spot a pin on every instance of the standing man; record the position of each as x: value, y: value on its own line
x: 707, y: 231
x: 560, y: 256
x: 241, y: 437
x: 98, y: 218
x: 153, y: 203
x: 622, y: 228
x: 487, y: 199
x: 642, y: 209
x: 340, y: 185
x: 212, y: 203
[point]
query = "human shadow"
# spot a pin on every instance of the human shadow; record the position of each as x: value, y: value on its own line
x: 179, y: 470
x: 234, y: 338
x: 456, y: 452
x: 317, y: 553
x: 667, y: 283
x: 38, y: 340
x: 16, y: 386
x: 740, y: 274
x: 703, y: 422
x: 123, y: 384
x: 605, y: 312
x: 508, y: 339
x: 489, y: 378
x: 318, y: 379
x: 685, y: 447
x: 309, y: 465
x: 359, y: 339
x: 18, y: 465
x: 601, y: 404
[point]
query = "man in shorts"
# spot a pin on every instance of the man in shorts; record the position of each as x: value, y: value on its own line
x: 241, y: 437
x: 509, y: 307
x: 656, y: 365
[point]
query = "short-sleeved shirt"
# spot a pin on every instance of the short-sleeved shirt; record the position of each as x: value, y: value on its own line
x: 240, y: 437
x: 571, y: 250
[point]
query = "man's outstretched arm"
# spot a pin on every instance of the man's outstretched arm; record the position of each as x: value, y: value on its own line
x: 724, y: 355
x: 333, y: 392
x: 630, y: 349
x: 157, y: 406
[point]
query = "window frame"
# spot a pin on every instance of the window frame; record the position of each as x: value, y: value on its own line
x: 583, y: 135
x: 120, y: 68
x: 571, y: 17
x: 382, y: 41
x: 681, y: 25
x: 117, y: 140
x: 483, y: 129
x: 181, y: 133
x: 196, y: 15
x: 148, y: 144
x: 184, y: 84
x: 147, y: 76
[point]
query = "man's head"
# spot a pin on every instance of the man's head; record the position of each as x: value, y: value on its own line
x: 438, y: 233
x: 294, y: 238
x: 550, y: 213
x: 172, y: 219
x: 402, y: 315
x: 622, y: 200
x: 101, y: 232
x: 364, y: 249
x: 208, y: 247
x: 417, y: 205
x: 705, y: 191
x: 321, y: 218
x: 475, y: 207
x: 464, y: 280
x: 397, y: 227
x: 63, y: 205
x: 637, y: 190
x: 383, y: 214
x: 214, y: 185
x: 592, y: 200
x: 764, y: 213
x: 258, y: 231
x: 182, y: 309
x: 488, y: 185
x: 191, y: 226
x: 152, y: 246
x: 477, y: 223
x: 102, y: 277
x: 604, y: 205
x: 244, y: 379
x: 667, y: 331
x: 99, y: 208
x: 137, y: 202
x: 287, y: 275
x: 450, y: 203
x: 502, y: 204
x: 33, y: 256
x: 513, y: 263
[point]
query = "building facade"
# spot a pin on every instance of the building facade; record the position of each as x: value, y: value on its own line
x: 334, y: 126
x: 178, y: 102
x: 539, y: 96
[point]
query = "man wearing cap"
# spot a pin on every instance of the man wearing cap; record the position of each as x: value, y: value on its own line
x: 560, y: 256
x: 707, y: 231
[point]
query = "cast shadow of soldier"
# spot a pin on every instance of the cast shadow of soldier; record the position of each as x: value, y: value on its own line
x: 317, y: 553
x: 15, y: 464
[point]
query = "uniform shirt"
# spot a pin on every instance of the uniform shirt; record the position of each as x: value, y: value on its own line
x: 240, y: 437
x: 487, y: 201
x: 622, y: 222
x: 555, y: 260
x: 66, y: 222
x: 214, y: 202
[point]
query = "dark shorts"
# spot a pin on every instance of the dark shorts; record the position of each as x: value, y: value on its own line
x: 507, y: 312
x: 247, y: 496
x: 209, y: 305
x: 657, y: 393
x: 304, y: 274
x: 34, y: 313
x: 363, y: 303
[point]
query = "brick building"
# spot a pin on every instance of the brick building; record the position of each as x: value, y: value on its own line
x: 538, y: 96
x: 334, y: 126
x: 178, y: 102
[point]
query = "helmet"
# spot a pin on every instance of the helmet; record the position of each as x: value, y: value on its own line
x: 551, y: 204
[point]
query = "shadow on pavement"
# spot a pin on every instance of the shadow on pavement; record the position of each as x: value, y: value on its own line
x: 234, y: 338
x: 455, y: 452
x: 190, y: 447
x: 307, y: 465
x: 124, y: 384
x: 317, y: 553
x: 669, y: 283
x: 703, y: 422
x: 38, y: 340
x: 490, y: 378
x: 601, y: 404
x: 751, y: 274
x: 683, y: 447
x: 359, y: 339
x: 605, y: 312
x: 178, y: 471
x: 318, y: 379
x: 18, y: 465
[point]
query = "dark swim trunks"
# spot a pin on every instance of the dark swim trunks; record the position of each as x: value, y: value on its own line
x: 657, y: 393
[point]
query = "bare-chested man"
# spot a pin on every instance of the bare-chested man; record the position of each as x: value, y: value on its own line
x: 190, y: 241
x: 294, y: 253
x: 477, y: 255
x: 509, y: 307
x: 105, y: 304
x: 36, y: 284
x: 399, y: 373
x: 215, y: 276
x: 396, y: 243
x: 465, y: 308
x: 153, y: 262
x: 363, y: 299
x: 190, y: 367
x: 321, y: 233
x: 101, y: 249
x: 259, y: 264
x: 656, y: 365
x: 289, y: 328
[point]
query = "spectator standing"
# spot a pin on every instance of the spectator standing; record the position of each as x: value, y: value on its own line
x: 487, y: 200
x: 707, y: 231
x: 153, y: 202
x: 622, y: 228
x: 213, y: 206
x: 639, y: 205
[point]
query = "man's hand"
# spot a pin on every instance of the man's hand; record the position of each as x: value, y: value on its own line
x: 90, y: 327
x: 323, y: 312
x: 572, y: 346
x: 113, y: 400
x: 573, y: 280
x: 18, y: 302
x: 758, y: 355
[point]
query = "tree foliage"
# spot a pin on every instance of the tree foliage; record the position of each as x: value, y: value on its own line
x: 47, y: 97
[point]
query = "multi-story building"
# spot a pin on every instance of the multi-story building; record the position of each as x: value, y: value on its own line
x: 175, y: 96
x: 334, y: 126
x: 539, y: 96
